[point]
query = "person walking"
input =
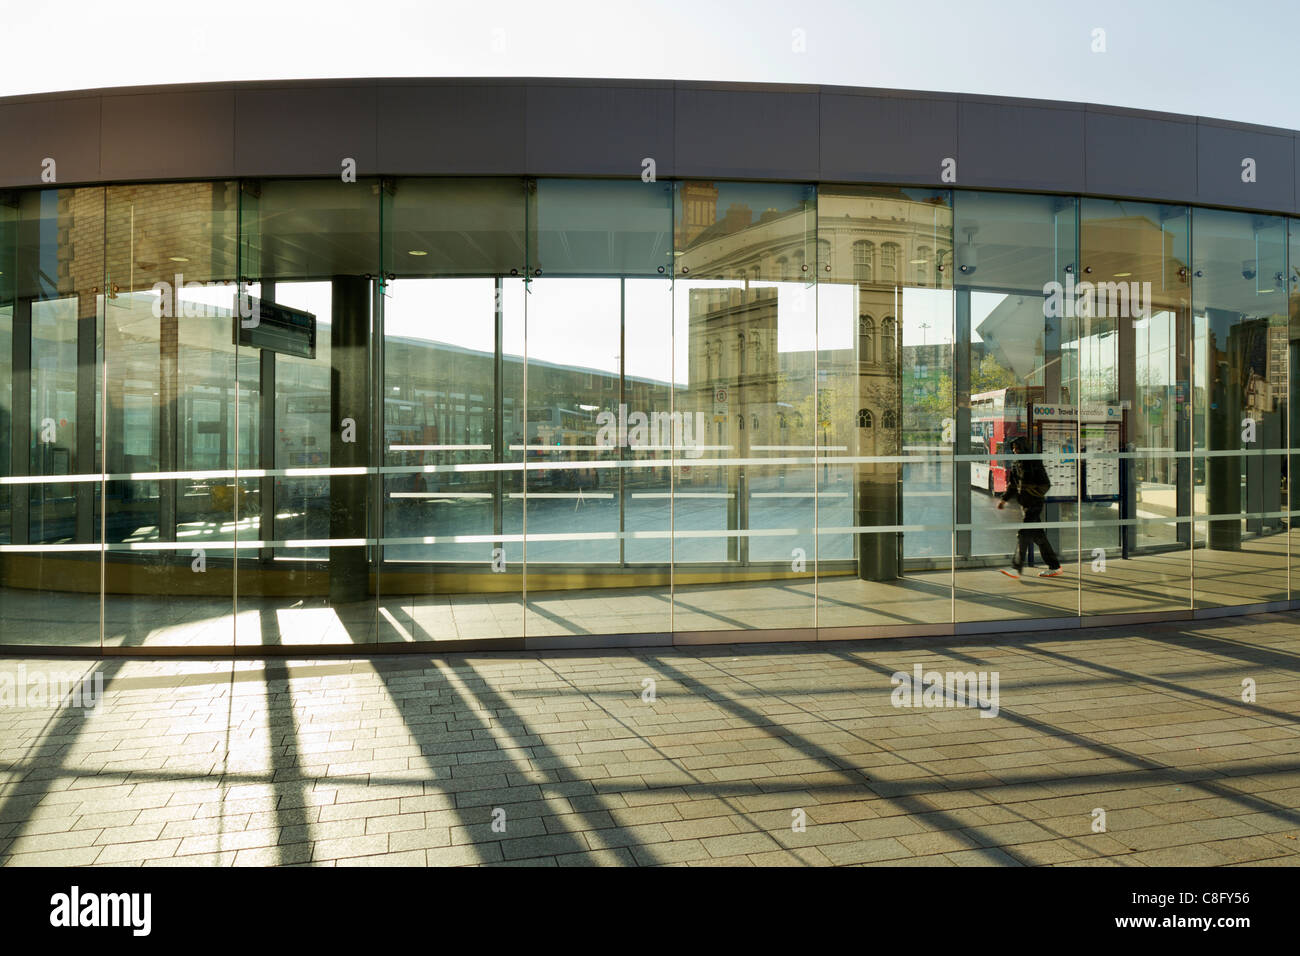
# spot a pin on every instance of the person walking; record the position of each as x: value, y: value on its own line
x: 1029, y: 483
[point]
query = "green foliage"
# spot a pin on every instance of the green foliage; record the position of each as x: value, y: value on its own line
x: 989, y: 375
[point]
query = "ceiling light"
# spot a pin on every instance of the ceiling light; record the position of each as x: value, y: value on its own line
x: 179, y: 258
x: 417, y: 252
x: 1122, y: 275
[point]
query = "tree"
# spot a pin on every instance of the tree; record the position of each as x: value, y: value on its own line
x: 989, y: 375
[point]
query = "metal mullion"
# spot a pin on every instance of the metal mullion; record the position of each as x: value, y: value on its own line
x: 266, y: 438
x: 622, y: 397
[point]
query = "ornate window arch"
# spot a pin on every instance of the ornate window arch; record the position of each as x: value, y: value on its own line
x: 887, y: 332
x: 864, y: 418
x: 888, y: 420
x: 923, y: 266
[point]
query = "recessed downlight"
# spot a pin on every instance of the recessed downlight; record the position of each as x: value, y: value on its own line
x: 179, y: 258
x: 417, y: 252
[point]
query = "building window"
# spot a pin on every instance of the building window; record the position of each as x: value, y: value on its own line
x: 887, y: 341
x: 889, y: 262
x: 783, y: 268
x: 864, y: 260
x: 923, y: 254
x: 867, y: 338
x: 864, y: 418
x: 887, y: 420
x: 823, y: 256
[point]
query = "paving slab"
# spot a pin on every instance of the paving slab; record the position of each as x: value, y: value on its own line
x: 1119, y: 746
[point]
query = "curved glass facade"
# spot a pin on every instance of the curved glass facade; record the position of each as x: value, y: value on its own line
x: 249, y: 413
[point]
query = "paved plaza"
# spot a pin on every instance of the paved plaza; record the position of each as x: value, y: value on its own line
x: 1169, y: 582
x: 1127, y: 746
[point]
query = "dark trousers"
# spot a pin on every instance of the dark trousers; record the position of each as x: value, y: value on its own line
x: 1034, y: 536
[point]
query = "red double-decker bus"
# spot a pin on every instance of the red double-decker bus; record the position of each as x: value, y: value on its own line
x: 996, y: 418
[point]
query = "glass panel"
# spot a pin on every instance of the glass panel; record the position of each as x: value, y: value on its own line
x: 50, y: 567
x: 453, y: 321
x: 8, y: 266
x: 615, y: 407
x: 1293, y: 405
x: 745, y: 348
x: 599, y: 429
x: 1134, y: 428
x: 1239, y: 407
x: 884, y: 406
x: 170, y: 511
x: 309, y: 254
x: 1014, y: 262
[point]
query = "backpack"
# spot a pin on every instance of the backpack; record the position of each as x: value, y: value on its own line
x: 1034, y: 481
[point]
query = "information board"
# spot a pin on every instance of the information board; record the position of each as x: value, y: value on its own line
x: 1097, y: 428
x: 1060, y: 460
x: 1101, y: 476
x: 276, y: 328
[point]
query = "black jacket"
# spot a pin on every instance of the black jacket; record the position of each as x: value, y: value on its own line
x: 1027, y: 482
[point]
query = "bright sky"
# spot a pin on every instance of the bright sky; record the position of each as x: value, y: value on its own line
x: 1195, y: 56
x: 576, y: 321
